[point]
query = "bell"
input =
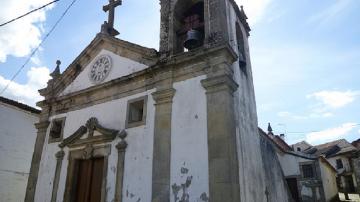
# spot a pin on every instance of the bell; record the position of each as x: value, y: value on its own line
x: 193, y: 39
x: 242, y: 61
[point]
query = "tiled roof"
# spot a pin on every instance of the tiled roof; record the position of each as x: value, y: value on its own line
x: 356, y: 143
x: 331, y: 148
x: 19, y: 105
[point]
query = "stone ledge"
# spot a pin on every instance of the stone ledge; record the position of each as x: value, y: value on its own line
x: 219, y: 83
x: 164, y: 96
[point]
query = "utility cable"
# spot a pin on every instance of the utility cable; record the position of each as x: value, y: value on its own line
x: 37, y: 48
x: 3, y: 24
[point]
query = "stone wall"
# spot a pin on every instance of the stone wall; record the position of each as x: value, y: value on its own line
x: 356, y: 167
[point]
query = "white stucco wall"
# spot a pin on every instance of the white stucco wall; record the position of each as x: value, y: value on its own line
x: 248, y: 140
x: 189, y: 145
x: 290, y: 164
x: 17, y: 135
x: 345, y: 161
x: 138, y: 158
x: 328, y: 177
x: 121, y: 67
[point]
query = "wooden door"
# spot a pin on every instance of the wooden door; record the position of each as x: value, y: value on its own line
x: 292, y: 184
x: 350, y: 184
x: 89, y: 180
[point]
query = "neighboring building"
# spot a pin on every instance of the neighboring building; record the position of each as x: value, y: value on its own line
x: 309, y: 178
x: 356, y: 168
x: 300, y: 146
x: 356, y: 143
x: 17, y: 139
x: 127, y: 123
x: 340, y: 155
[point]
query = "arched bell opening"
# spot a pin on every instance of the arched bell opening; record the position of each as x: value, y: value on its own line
x: 188, y: 25
x: 240, y: 48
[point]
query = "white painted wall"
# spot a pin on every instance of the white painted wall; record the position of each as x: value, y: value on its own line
x: 189, y: 145
x: 138, y: 158
x: 328, y: 177
x: 344, y: 160
x: 248, y: 140
x: 290, y: 164
x: 17, y: 135
x: 121, y: 67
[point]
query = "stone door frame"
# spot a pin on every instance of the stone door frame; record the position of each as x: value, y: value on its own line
x: 88, y: 152
x: 93, y: 146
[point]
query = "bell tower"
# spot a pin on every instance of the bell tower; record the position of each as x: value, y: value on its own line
x: 210, y: 38
x: 190, y: 24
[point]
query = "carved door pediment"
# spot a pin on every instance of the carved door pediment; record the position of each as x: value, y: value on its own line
x: 106, y: 135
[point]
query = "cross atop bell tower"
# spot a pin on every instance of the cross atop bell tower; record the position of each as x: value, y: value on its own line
x: 108, y: 27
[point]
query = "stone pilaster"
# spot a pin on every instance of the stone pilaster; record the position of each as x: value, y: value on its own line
x: 121, y: 147
x: 162, y: 145
x: 215, y: 22
x: 223, y: 161
x: 35, y: 163
x: 59, y: 158
x: 164, y: 27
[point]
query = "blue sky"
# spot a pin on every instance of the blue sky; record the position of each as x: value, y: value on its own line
x: 305, y: 56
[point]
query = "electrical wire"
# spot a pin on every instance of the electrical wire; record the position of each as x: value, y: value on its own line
x: 10, y: 21
x: 37, y: 48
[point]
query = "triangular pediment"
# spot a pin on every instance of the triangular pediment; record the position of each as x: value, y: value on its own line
x: 91, y: 133
x: 126, y: 58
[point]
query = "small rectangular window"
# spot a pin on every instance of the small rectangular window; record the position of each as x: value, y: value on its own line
x: 308, y: 170
x: 56, y: 130
x: 136, y: 112
x: 339, y: 164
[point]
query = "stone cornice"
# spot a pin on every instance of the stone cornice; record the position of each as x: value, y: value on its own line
x: 182, y: 66
x: 42, y: 125
x: 164, y: 96
x: 242, y: 16
x: 219, y: 83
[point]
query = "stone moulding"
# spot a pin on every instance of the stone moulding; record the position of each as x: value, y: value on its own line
x: 183, y: 66
x: 91, y: 125
x: 219, y: 83
x: 164, y: 96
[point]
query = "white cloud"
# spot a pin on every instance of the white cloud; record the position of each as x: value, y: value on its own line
x: 327, y: 114
x: 286, y: 114
x: 329, y: 13
x: 330, y: 134
x: 359, y: 131
x: 334, y: 99
x: 20, y: 37
x: 254, y: 9
x: 27, y: 93
x: 283, y: 114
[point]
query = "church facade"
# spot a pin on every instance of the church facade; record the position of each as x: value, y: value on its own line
x: 128, y: 123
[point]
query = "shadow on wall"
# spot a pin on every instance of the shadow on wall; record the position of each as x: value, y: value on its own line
x: 278, y: 191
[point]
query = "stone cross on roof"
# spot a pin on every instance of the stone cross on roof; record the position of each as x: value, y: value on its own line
x: 108, y: 27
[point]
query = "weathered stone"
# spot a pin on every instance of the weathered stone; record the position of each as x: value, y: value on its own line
x: 223, y: 160
x: 162, y: 145
x: 35, y: 163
